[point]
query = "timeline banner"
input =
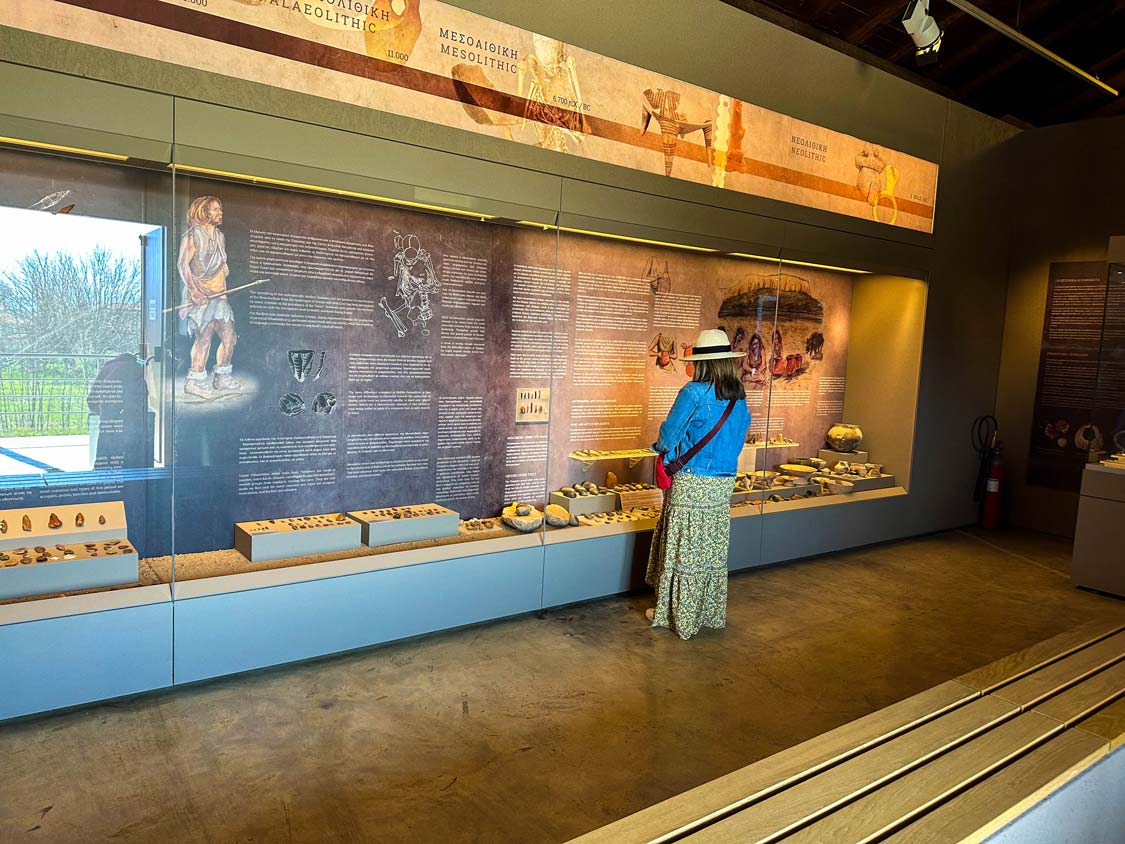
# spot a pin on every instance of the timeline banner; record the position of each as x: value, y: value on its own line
x: 435, y: 62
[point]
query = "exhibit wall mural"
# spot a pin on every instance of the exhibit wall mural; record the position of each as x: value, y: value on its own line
x: 1079, y: 412
x: 435, y: 62
x: 382, y: 357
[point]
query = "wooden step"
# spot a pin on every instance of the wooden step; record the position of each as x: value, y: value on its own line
x: 1086, y: 697
x: 746, y: 786
x: 975, y: 814
x: 1107, y: 723
x: 814, y: 798
x: 1012, y: 667
x: 910, y: 796
x: 1061, y: 674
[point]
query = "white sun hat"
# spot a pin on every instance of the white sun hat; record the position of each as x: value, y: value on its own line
x: 712, y: 344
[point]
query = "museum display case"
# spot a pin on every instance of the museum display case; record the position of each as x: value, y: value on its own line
x: 314, y: 408
x: 328, y: 375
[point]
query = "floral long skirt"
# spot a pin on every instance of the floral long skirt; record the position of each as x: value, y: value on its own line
x: 687, y: 565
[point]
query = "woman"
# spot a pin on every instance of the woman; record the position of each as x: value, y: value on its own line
x: 688, y: 562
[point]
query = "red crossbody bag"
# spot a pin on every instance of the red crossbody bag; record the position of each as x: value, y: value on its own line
x: 664, y: 472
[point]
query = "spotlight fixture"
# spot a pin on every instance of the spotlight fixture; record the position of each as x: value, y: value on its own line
x: 924, y: 30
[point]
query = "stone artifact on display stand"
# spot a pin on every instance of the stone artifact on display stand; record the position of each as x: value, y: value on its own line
x: 523, y: 517
x: 585, y: 497
x: 844, y: 436
x: 559, y: 516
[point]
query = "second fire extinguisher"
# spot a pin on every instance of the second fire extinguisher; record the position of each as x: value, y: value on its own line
x: 993, y: 489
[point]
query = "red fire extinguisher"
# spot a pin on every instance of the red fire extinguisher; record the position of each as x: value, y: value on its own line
x: 993, y: 489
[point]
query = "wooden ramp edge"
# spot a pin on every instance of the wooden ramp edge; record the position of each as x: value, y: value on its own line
x: 949, y: 764
x: 678, y: 815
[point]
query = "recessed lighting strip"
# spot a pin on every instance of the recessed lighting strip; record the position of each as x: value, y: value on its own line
x: 645, y: 240
x: 390, y: 200
x: 809, y: 264
x: 21, y: 142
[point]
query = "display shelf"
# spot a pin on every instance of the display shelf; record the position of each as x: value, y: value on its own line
x: 275, y: 539
x: 67, y: 568
x: 392, y: 525
x: 351, y: 564
x: 583, y: 531
x: 78, y: 524
x: 64, y: 606
x: 588, y: 457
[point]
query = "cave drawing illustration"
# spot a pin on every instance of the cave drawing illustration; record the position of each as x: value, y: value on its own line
x: 662, y: 350
x: 814, y: 346
x: 415, y: 282
x: 876, y: 180
x: 554, y: 97
x: 771, y: 307
x: 750, y: 366
x: 664, y: 107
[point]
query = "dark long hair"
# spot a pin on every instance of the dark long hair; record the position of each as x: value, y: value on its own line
x: 723, y: 375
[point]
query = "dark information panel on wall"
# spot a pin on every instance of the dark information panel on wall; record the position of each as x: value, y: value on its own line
x: 1078, y: 397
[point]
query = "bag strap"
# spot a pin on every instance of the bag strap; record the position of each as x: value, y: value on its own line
x: 682, y: 460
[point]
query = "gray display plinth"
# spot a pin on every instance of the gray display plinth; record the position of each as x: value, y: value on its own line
x: 584, y: 504
x: 74, y: 575
x: 411, y: 524
x: 1098, y: 561
x: 275, y: 539
x: 834, y: 457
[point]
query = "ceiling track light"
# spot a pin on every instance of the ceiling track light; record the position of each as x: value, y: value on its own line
x: 1035, y: 47
x: 923, y: 30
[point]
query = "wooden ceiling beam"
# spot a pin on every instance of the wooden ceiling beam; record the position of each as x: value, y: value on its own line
x: 1054, y: 36
x: 857, y: 35
x: 1093, y: 101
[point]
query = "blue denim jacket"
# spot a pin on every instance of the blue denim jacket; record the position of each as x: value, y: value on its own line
x: 694, y: 413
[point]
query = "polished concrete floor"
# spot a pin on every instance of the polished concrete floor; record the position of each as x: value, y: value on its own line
x: 538, y: 728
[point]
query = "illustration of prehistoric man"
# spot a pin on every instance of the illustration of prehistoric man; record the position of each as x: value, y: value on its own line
x: 206, y: 312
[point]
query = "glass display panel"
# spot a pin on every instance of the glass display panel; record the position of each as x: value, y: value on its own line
x: 628, y: 314
x: 84, y: 468
x: 353, y: 378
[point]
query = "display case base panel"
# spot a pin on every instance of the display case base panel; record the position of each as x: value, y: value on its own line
x: 276, y: 539
x: 426, y: 521
x: 582, y: 505
x: 76, y: 659
x: 834, y: 457
x: 75, y: 575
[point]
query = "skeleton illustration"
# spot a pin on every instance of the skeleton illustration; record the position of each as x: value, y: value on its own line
x: 554, y: 99
x: 664, y: 106
x: 301, y: 362
x: 415, y: 281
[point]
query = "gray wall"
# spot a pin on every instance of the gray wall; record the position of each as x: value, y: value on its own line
x: 708, y: 43
x: 1068, y: 184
